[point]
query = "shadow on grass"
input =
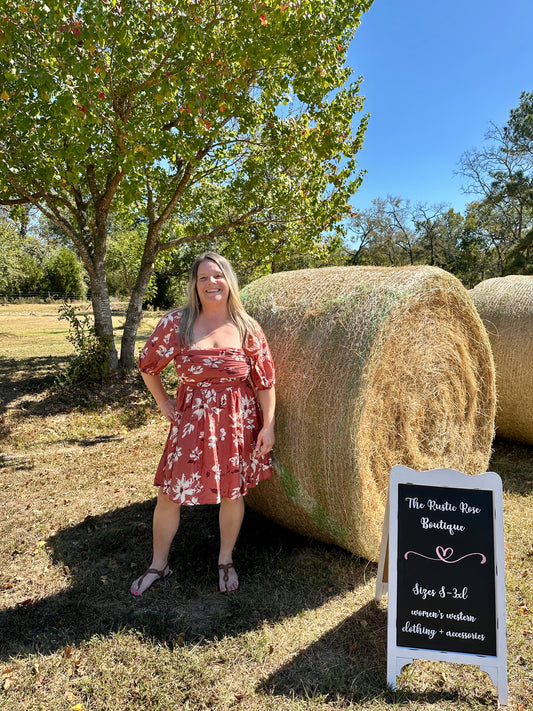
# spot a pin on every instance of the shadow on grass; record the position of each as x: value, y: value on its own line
x: 16, y: 462
x: 92, y: 441
x: 514, y: 463
x: 27, y: 376
x: 349, y: 662
x: 281, y: 574
x: 33, y: 385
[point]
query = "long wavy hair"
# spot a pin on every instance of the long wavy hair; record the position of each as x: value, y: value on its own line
x: 190, y: 312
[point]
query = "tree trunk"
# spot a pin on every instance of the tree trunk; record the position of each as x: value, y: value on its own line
x: 134, y: 312
x: 92, y: 248
x: 103, y: 322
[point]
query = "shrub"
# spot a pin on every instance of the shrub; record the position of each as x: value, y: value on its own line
x: 89, y: 363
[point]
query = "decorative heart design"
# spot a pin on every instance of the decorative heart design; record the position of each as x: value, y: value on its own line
x: 444, y: 553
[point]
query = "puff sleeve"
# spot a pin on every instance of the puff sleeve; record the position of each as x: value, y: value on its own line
x: 162, y: 346
x: 262, y: 366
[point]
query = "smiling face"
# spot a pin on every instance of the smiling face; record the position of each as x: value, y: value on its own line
x: 211, y: 284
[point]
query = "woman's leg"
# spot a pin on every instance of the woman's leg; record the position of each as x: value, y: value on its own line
x: 165, y: 525
x: 230, y: 520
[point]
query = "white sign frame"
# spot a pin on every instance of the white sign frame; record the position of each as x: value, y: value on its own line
x: 398, y: 657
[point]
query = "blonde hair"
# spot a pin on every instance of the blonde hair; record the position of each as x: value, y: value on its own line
x: 191, y: 310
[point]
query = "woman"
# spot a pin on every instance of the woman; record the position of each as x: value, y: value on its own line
x: 222, y: 428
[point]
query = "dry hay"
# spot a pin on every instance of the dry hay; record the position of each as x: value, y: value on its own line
x: 375, y: 367
x: 505, y: 305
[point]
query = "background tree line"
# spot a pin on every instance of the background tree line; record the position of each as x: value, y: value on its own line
x: 492, y: 238
x: 35, y: 263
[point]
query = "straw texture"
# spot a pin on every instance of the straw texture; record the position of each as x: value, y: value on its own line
x: 375, y: 367
x: 505, y: 305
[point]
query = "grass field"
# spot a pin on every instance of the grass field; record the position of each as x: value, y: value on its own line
x: 303, y: 632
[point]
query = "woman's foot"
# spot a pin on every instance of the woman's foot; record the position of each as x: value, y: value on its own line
x: 228, y: 580
x: 141, y: 585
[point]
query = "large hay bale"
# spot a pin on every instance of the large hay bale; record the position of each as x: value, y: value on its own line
x: 375, y: 367
x: 505, y: 305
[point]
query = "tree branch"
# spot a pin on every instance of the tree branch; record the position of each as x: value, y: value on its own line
x: 21, y: 201
x: 188, y: 171
x: 242, y: 221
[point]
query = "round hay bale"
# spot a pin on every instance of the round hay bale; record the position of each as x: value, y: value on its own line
x: 374, y: 367
x: 505, y: 305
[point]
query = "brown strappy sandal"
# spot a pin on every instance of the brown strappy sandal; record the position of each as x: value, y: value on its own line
x: 165, y: 573
x: 225, y: 567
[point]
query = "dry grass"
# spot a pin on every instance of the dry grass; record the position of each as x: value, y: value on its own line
x: 302, y: 633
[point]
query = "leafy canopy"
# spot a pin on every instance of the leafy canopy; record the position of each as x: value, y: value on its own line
x: 250, y: 97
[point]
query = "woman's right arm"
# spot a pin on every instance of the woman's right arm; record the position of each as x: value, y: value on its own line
x: 159, y: 350
x: 166, y: 405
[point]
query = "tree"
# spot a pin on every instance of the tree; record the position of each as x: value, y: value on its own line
x: 475, y: 260
x: 384, y: 234
x: 520, y: 125
x: 400, y: 213
x: 35, y: 265
x: 221, y: 115
x: 125, y: 246
x: 393, y: 232
x: 64, y: 273
x: 31, y: 278
x: 501, y: 173
x: 432, y: 233
x: 9, y: 254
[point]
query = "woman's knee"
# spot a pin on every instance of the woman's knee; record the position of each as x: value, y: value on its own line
x: 232, y: 503
x: 165, y: 502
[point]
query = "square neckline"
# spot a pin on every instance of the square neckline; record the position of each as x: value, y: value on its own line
x: 215, y: 348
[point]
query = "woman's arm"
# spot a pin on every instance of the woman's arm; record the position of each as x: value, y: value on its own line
x: 265, y: 438
x: 166, y: 405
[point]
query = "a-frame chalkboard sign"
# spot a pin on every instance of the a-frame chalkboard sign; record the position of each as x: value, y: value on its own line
x: 442, y: 552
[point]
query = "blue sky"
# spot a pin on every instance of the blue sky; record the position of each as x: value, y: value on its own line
x: 435, y: 75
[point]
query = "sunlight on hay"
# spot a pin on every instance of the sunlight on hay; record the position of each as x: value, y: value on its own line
x: 505, y: 305
x: 375, y: 367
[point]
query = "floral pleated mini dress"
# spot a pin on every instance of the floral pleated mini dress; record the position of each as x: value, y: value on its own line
x: 209, y: 453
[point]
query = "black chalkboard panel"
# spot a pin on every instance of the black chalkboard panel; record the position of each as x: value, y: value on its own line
x: 446, y: 598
